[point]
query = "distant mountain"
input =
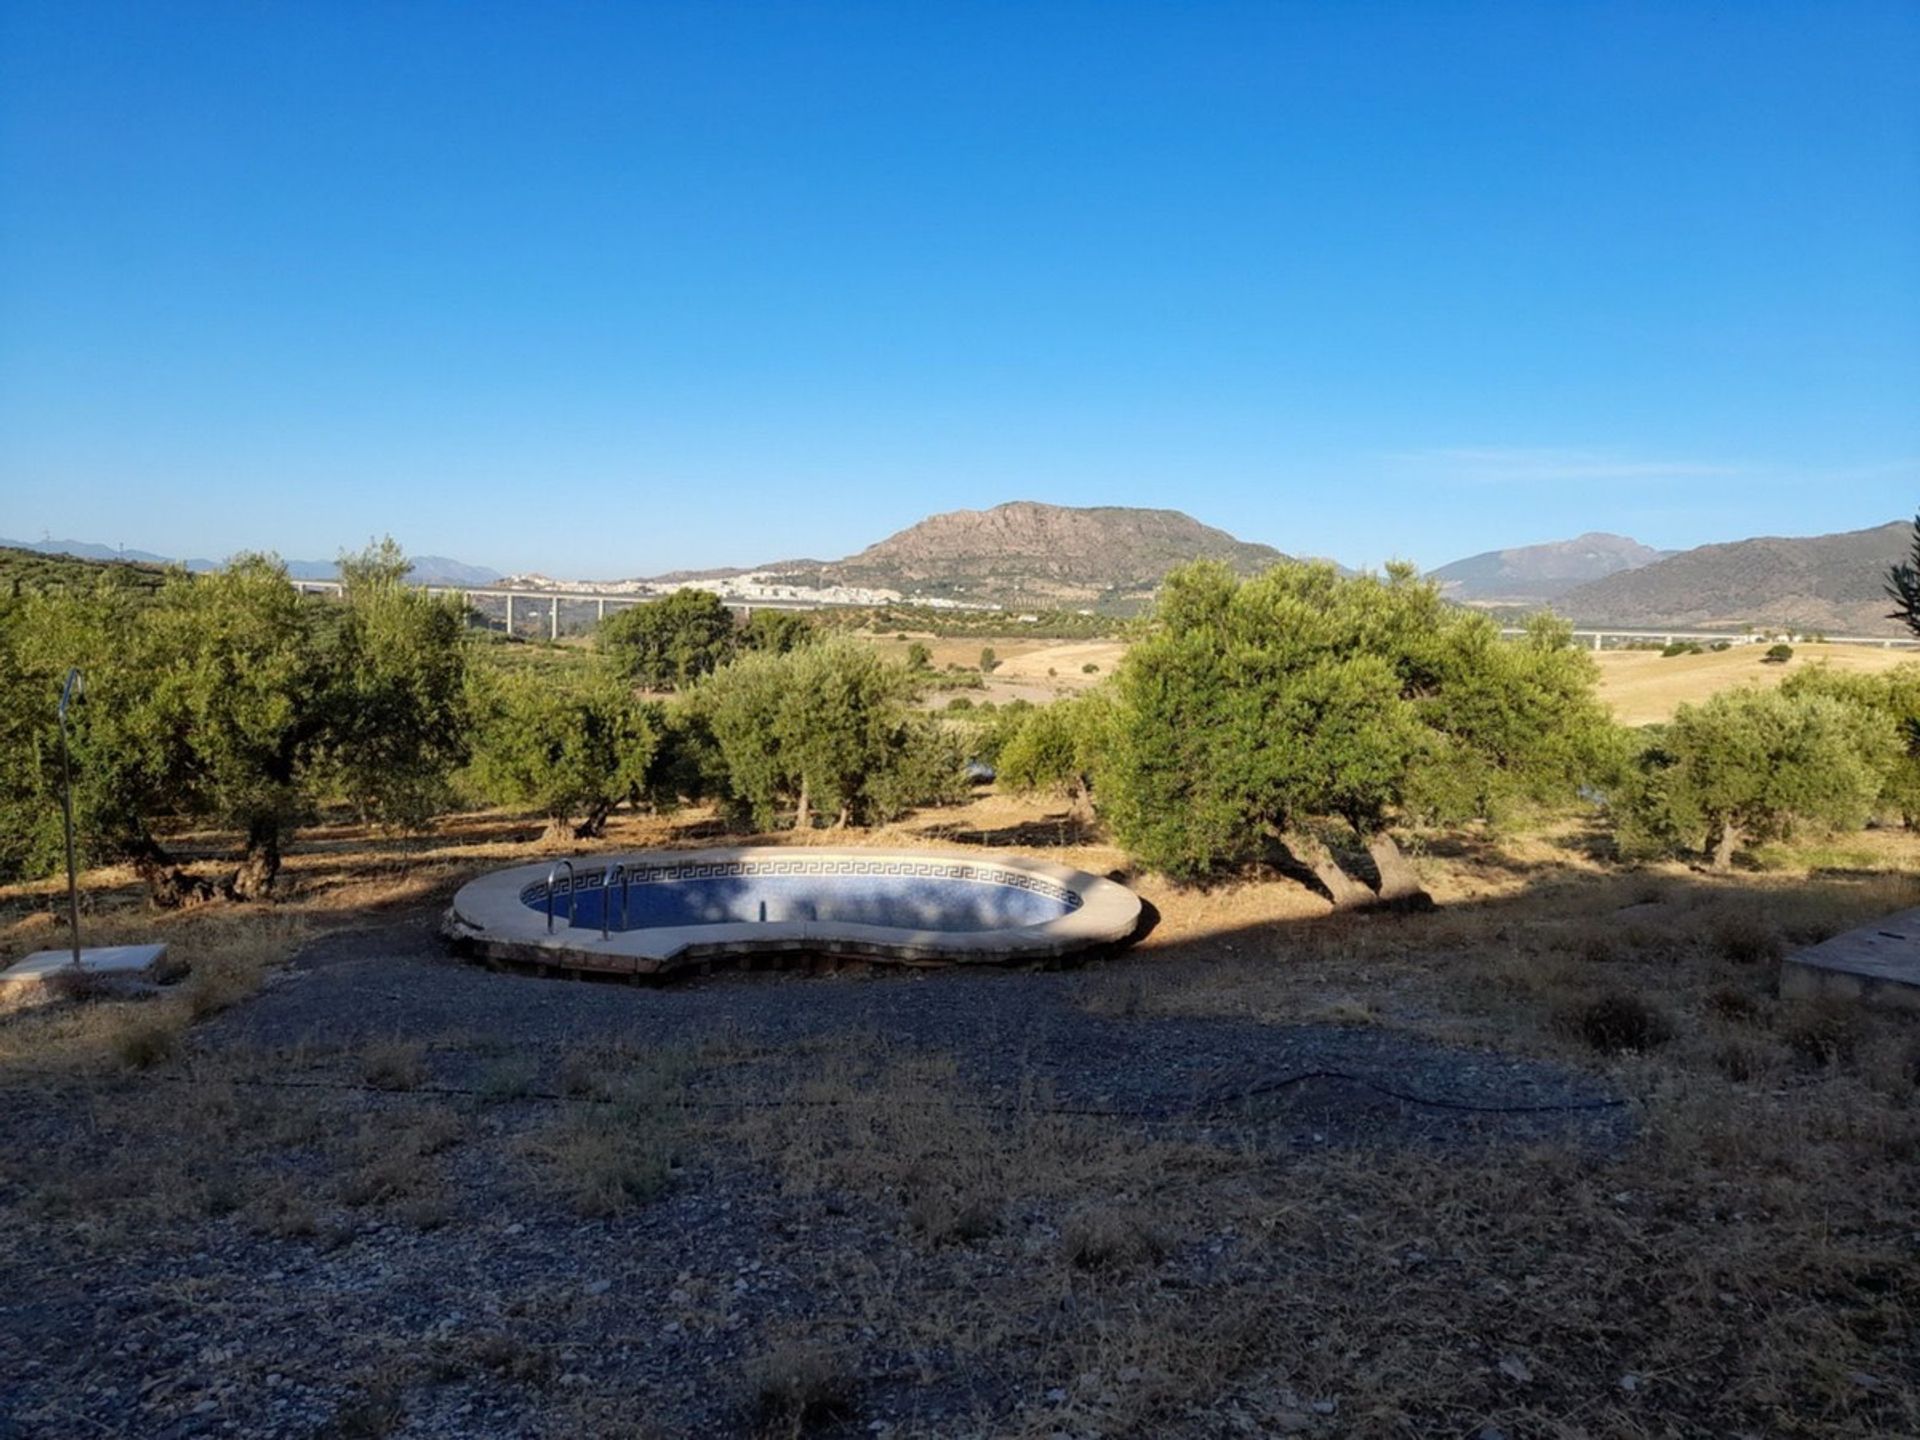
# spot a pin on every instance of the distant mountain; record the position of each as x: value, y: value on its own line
x: 1535, y: 573
x: 427, y: 569
x: 1108, y: 557
x: 1831, y: 583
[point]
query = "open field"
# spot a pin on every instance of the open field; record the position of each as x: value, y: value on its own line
x: 1033, y: 670
x: 1644, y: 686
x: 1555, y: 1160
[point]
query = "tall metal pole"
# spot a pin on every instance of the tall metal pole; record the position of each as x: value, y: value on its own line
x: 68, y: 693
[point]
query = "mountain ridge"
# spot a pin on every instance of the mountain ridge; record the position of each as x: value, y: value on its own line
x: 1542, y: 571
x: 1833, y: 583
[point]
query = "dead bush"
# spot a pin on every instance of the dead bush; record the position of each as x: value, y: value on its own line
x: 1105, y: 1238
x: 147, y: 1036
x: 1746, y: 940
x: 392, y: 1065
x: 800, y: 1387
x: 1617, y: 1022
x: 1822, y: 1032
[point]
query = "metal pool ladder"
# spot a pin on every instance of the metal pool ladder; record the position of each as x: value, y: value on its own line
x: 552, y: 875
x: 606, y: 899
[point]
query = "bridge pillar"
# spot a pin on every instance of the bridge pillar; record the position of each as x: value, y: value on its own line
x: 509, y: 612
x: 600, y: 608
x: 553, y: 618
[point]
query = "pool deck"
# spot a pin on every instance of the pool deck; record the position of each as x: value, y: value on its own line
x: 490, y: 918
x: 1878, y: 964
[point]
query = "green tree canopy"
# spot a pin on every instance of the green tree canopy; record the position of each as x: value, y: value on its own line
x: 669, y: 643
x: 829, y: 729
x: 1753, y: 764
x: 572, y: 751
x: 1893, y: 694
x: 1253, y: 710
x: 230, y: 700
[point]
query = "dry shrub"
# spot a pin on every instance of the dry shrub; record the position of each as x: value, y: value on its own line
x: 1743, y: 1059
x: 148, y: 1035
x: 1106, y: 1238
x: 1731, y: 1003
x: 800, y: 1386
x: 1617, y: 1022
x: 1596, y: 947
x: 392, y: 1065
x: 508, y: 1355
x: 945, y: 1217
x: 1747, y: 940
x: 1822, y: 1032
x: 607, y: 1158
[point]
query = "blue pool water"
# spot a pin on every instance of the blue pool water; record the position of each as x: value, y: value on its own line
x: 917, y: 896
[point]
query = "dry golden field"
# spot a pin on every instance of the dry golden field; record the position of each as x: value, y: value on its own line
x: 1644, y: 686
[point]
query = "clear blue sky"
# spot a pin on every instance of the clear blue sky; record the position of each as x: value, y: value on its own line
x: 608, y: 289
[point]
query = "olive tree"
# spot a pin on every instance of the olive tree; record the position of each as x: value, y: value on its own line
x: 1256, y: 718
x: 669, y: 643
x: 570, y: 751
x: 1894, y: 694
x: 231, y: 700
x: 824, y: 729
x: 1753, y: 764
x: 1057, y: 748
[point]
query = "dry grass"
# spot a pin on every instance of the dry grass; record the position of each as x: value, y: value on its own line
x: 1745, y: 1265
x: 1643, y: 686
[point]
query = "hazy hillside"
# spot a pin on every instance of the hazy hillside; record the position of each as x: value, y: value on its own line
x: 1831, y: 583
x: 427, y: 569
x: 1541, y: 572
x: 1106, y: 556
x: 26, y: 571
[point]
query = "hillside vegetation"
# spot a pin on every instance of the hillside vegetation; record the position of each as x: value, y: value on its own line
x: 1107, y: 557
x: 1832, y: 583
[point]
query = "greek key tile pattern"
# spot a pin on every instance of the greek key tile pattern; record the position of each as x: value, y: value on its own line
x: 536, y: 893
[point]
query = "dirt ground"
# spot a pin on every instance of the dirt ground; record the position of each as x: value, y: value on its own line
x: 1031, y: 670
x: 1554, y: 1160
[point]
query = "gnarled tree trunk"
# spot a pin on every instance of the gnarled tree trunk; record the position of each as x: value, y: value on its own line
x: 1720, y: 853
x: 1342, y: 889
x: 803, y: 816
x: 168, y: 886
x: 261, y: 863
x: 1399, y: 885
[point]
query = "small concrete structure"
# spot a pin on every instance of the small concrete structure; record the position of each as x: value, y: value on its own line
x: 654, y: 912
x: 1878, y: 964
x: 36, y: 979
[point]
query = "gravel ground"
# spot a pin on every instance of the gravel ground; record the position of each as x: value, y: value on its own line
x: 512, y: 1315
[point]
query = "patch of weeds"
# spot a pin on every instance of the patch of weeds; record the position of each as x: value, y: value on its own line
x: 1731, y: 1003
x: 370, y: 1413
x: 217, y: 985
x: 281, y: 1208
x: 1105, y: 1238
x: 1822, y: 1032
x: 148, y: 1036
x: 1747, y: 941
x: 505, y: 1081
x: 1617, y: 1022
x: 1596, y: 947
x: 1742, y: 1060
x: 510, y: 1357
x: 800, y: 1387
x: 610, y: 1157
x: 942, y: 1217
x: 392, y: 1065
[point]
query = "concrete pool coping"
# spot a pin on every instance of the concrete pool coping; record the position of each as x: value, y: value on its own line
x: 491, y: 917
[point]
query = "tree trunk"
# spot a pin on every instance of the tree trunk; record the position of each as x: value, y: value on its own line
x: 803, y: 817
x: 1342, y: 889
x: 1720, y: 856
x: 844, y: 818
x: 254, y: 879
x: 168, y: 886
x: 1400, y: 887
x: 594, y: 824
